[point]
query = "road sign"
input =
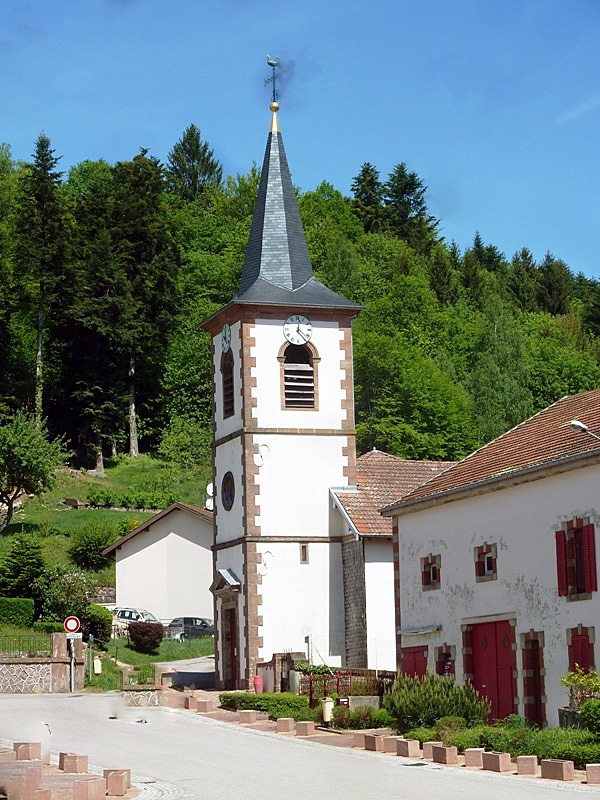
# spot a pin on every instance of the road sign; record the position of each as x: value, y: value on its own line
x: 78, y: 635
x: 72, y: 624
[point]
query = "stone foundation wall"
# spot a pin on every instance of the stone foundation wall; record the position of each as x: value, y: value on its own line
x: 43, y: 675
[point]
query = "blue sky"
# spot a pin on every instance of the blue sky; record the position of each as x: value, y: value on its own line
x: 494, y: 103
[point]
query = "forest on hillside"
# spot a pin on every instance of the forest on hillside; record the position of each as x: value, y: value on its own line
x: 107, y: 271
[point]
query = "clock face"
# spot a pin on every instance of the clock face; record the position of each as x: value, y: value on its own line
x: 297, y: 329
x: 226, y: 338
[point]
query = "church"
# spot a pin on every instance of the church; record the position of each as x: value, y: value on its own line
x: 283, y: 435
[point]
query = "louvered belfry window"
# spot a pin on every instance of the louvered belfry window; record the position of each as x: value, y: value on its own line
x: 227, y: 379
x: 298, y: 377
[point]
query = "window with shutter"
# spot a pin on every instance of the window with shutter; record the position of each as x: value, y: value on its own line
x: 227, y: 384
x: 576, y: 560
x: 581, y: 649
x: 561, y: 563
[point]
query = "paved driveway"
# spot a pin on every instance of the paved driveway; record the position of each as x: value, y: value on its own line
x: 195, y: 757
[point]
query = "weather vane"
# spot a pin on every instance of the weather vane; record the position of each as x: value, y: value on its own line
x: 272, y: 62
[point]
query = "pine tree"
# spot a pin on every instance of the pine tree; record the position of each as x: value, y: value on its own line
x: 368, y: 198
x: 192, y: 166
x: 406, y: 210
x: 40, y: 246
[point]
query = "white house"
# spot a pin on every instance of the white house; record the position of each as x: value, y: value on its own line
x: 165, y: 565
x: 495, y: 563
x: 367, y: 561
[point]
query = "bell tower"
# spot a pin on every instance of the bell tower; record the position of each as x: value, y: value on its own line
x: 283, y: 435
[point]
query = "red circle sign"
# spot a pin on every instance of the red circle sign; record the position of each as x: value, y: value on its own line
x: 72, y: 624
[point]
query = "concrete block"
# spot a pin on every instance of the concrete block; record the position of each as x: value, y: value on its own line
x: 374, y: 742
x: 409, y: 748
x: 7, y: 755
x: 428, y: 749
x: 358, y: 740
x: 473, y: 757
x: 116, y: 782
x: 191, y: 703
x: 27, y: 751
x: 527, y: 765
x: 592, y: 773
x: 247, y: 716
x: 204, y: 706
x: 558, y: 769
x: 125, y: 772
x: 305, y: 728
x: 72, y: 762
x: 89, y: 789
x: 496, y: 762
x: 389, y: 744
x: 444, y: 755
x: 286, y: 725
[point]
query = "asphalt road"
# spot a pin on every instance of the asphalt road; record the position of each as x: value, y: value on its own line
x: 195, y: 757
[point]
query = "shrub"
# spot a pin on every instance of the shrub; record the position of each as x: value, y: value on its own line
x: 590, y: 716
x: 341, y: 717
x: 146, y: 636
x: 422, y: 734
x: 383, y: 718
x: 48, y: 626
x: 362, y: 717
x: 97, y: 621
x: 280, y: 704
x: 582, y: 686
x: 17, y: 611
x: 446, y: 726
x: 88, y: 544
x: 415, y: 701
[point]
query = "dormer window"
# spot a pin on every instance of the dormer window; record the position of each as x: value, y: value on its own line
x: 227, y: 384
x: 298, y: 377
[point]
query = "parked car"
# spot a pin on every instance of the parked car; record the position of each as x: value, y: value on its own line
x: 123, y: 616
x: 189, y: 628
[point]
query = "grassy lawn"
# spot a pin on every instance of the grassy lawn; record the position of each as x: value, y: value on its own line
x: 169, y: 650
x: 53, y: 523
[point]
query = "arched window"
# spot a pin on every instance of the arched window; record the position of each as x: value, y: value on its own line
x: 227, y: 384
x: 298, y: 377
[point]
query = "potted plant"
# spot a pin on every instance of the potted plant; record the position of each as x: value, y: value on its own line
x: 582, y: 686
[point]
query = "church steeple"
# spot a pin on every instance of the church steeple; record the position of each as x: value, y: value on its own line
x: 277, y: 266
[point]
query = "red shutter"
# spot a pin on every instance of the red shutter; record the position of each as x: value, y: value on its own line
x: 561, y: 563
x: 580, y: 652
x: 589, y: 557
x: 480, y: 568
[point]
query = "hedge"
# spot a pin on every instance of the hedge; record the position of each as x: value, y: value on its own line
x: 17, y: 611
x: 277, y: 705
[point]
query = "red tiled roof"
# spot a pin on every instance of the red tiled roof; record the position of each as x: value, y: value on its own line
x: 382, y: 478
x: 545, y: 438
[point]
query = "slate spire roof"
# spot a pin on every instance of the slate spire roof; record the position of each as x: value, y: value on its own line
x: 277, y: 268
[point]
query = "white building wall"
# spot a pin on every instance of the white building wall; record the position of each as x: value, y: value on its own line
x: 379, y: 590
x: 167, y: 570
x: 293, y: 478
x: 522, y: 521
x: 326, y: 338
x: 300, y: 600
x: 228, y: 458
x: 226, y: 426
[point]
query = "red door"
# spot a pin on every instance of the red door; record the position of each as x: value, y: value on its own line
x: 494, y: 662
x: 414, y: 661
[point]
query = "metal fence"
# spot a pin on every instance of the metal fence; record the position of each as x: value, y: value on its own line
x: 347, y: 682
x: 25, y: 646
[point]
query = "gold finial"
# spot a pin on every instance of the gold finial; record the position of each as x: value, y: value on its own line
x: 274, y: 121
